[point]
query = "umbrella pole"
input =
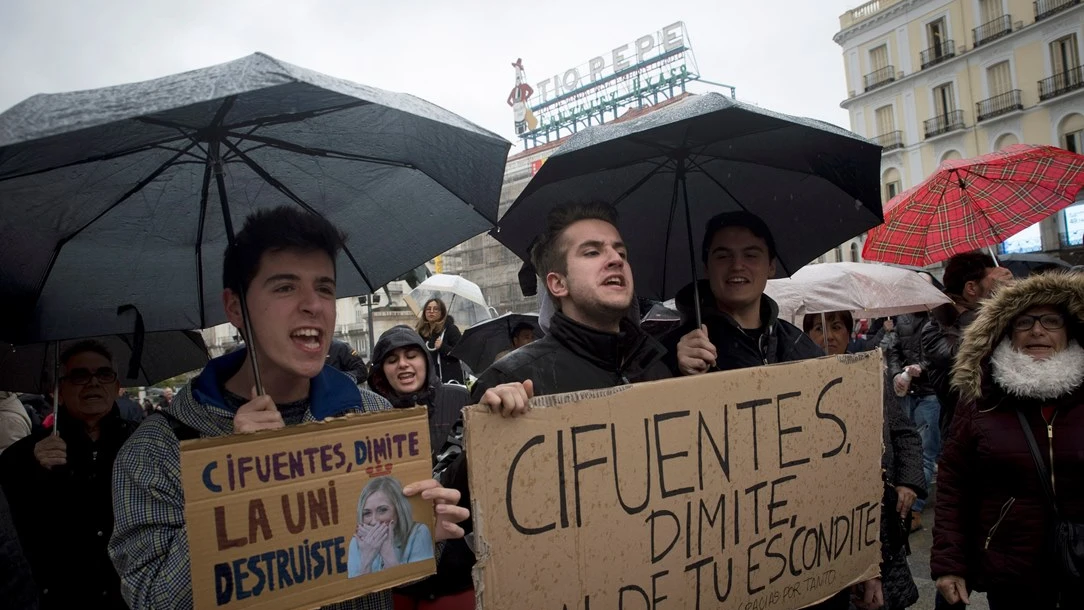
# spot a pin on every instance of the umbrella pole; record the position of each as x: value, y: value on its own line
x: 824, y: 333
x: 689, y: 232
x: 993, y: 255
x: 250, y: 337
x: 56, y: 388
x: 369, y: 315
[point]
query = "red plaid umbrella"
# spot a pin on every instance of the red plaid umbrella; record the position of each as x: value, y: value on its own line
x: 968, y: 204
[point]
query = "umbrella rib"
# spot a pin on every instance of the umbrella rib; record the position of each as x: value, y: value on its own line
x: 640, y: 183
x: 315, y: 152
x: 282, y: 188
x: 135, y: 189
x: 95, y: 159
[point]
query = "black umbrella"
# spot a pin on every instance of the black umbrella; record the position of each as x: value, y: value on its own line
x: 1023, y: 265
x: 29, y: 368
x: 482, y: 342
x: 667, y: 172
x: 128, y: 195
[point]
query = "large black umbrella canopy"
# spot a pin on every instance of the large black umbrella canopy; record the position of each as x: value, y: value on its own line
x: 161, y: 355
x: 815, y: 185
x: 129, y: 194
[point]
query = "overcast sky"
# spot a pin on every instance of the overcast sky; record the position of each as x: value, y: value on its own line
x: 456, y: 54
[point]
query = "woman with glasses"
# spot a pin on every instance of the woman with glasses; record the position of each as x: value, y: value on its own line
x: 1020, y: 369
x: 441, y: 335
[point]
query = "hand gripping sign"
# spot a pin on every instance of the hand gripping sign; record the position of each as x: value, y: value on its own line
x: 308, y: 515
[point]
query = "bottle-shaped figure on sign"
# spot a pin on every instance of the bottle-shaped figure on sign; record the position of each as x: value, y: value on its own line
x: 517, y: 99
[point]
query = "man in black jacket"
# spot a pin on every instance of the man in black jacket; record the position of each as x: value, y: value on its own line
x: 345, y: 359
x: 741, y: 326
x: 919, y: 402
x: 591, y: 343
x: 969, y: 278
x: 59, y: 486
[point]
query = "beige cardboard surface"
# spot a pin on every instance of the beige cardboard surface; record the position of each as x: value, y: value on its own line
x: 749, y: 489
x: 272, y: 517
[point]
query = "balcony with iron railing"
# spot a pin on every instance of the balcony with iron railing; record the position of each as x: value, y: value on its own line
x: 938, y: 53
x: 944, y: 123
x: 879, y: 78
x: 1046, y: 8
x: 890, y: 141
x: 1056, y: 85
x: 992, y: 30
x: 998, y: 105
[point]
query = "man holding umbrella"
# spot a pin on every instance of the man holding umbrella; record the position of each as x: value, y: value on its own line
x: 741, y: 326
x: 57, y: 483
x: 283, y: 264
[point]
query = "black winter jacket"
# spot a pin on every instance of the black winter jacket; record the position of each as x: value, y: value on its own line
x: 574, y: 357
x: 571, y: 357
x: 16, y: 583
x: 64, y: 516
x: 907, y: 350
x: 941, y: 336
x: 344, y: 358
x: 780, y: 341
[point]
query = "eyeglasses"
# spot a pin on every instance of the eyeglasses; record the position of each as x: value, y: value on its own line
x: 1050, y: 321
x: 82, y: 376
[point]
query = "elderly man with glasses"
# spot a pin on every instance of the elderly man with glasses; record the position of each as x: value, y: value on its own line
x: 58, y: 483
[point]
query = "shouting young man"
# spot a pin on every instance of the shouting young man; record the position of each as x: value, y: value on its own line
x: 284, y: 262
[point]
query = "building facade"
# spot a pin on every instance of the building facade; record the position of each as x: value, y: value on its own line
x: 932, y: 80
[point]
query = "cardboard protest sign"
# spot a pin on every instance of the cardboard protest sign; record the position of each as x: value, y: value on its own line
x: 308, y: 515
x: 751, y: 489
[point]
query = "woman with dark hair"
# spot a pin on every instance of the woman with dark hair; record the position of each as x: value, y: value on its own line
x: 1020, y: 374
x: 441, y: 335
x: 901, y: 465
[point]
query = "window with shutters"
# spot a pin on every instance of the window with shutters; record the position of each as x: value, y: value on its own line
x: 990, y: 10
x: 1064, y: 54
x: 886, y: 121
x: 935, y: 33
x: 998, y: 79
x: 944, y: 101
x: 878, y: 58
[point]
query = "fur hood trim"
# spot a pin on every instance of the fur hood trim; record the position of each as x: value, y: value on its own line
x: 1060, y: 289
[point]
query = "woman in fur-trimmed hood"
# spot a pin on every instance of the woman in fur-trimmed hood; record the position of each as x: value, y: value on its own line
x: 1023, y: 353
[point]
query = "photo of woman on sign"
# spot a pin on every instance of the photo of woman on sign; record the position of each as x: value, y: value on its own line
x: 386, y: 535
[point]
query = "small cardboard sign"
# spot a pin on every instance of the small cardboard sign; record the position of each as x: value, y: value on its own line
x: 308, y: 515
x: 749, y: 489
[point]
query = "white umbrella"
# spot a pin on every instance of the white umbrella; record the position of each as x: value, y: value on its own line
x: 866, y: 290
x: 463, y: 298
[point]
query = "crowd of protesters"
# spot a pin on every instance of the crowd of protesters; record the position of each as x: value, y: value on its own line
x: 92, y: 506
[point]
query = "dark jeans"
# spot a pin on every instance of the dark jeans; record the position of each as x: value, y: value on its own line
x: 924, y: 412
